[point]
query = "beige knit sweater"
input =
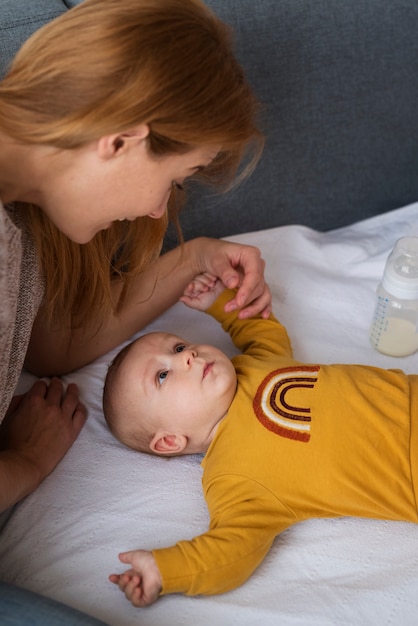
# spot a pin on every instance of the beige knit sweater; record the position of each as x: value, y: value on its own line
x: 21, y: 291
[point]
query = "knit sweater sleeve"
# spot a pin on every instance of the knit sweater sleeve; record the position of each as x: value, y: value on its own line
x: 21, y: 291
x: 245, y: 518
x: 255, y: 336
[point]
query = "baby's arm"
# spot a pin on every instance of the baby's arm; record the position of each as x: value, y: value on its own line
x: 142, y: 584
x: 202, y: 292
x: 248, y: 517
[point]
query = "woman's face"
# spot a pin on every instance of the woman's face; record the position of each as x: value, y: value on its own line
x: 93, y: 187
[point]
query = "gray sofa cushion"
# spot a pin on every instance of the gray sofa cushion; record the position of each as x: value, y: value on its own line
x: 19, y: 19
x: 339, y: 86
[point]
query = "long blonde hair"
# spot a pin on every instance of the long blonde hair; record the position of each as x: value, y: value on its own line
x: 105, y: 67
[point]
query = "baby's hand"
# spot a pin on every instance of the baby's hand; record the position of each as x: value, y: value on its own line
x: 141, y: 585
x: 202, y: 292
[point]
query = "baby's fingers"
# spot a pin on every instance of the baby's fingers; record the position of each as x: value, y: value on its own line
x: 114, y: 578
x: 132, y: 587
x: 122, y: 580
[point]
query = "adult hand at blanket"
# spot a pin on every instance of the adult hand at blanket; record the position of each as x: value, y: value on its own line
x: 141, y: 585
x: 39, y: 427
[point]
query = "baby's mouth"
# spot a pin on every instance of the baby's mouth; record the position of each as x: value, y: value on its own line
x: 207, y: 369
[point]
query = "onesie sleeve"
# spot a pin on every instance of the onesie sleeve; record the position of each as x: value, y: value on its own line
x: 254, y: 336
x: 244, y: 522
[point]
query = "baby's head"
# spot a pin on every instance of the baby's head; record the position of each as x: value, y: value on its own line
x: 166, y: 396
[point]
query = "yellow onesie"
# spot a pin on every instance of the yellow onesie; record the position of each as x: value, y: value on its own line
x: 299, y: 441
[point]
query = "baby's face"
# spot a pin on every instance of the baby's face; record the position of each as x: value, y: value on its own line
x: 187, y: 386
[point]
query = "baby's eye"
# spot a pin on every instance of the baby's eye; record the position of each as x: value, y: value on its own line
x: 180, y: 347
x: 161, y: 376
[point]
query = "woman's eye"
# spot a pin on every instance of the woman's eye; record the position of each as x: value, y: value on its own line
x: 180, y: 348
x: 161, y: 376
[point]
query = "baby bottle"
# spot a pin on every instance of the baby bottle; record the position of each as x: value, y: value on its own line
x: 394, y: 329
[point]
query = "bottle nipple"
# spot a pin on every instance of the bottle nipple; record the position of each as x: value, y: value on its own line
x: 400, y: 277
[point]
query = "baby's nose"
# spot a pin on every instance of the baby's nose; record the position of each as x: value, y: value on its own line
x: 190, y: 355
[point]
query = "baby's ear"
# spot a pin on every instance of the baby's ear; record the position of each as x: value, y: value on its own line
x: 168, y: 444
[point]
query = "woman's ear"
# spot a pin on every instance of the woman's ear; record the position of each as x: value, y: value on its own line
x: 168, y: 444
x: 117, y: 143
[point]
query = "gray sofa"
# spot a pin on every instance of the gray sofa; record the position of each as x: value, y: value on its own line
x: 338, y: 81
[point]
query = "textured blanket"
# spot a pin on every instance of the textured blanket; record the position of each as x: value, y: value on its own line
x: 63, y: 540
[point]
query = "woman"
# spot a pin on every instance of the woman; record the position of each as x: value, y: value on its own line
x: 104, y: 114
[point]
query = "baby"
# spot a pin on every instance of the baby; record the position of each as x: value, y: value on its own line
x: 283, y: 442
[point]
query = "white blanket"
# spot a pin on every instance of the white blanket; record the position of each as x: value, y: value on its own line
x: 64, y: 539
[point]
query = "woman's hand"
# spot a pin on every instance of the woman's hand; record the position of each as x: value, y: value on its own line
x: 238, y: 267
x: 38, y: 429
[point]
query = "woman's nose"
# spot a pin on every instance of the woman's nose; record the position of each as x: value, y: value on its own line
x: 158, y: 213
